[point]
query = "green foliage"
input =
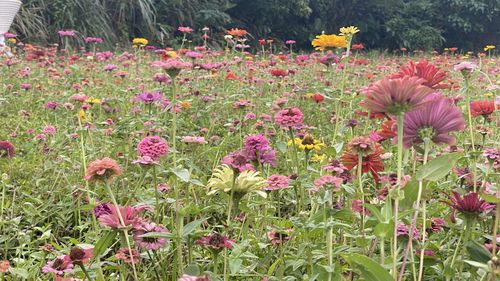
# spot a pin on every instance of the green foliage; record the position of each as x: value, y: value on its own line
x: 418, y: 24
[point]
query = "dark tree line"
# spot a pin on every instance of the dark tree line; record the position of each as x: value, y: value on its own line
x: 385, y: 24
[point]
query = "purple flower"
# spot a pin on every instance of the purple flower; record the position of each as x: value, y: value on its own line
x: 110, y: 67
x: 148, y: 97
x: 435, y: 121
x: 290, y: 42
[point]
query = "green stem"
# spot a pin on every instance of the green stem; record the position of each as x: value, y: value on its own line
x: 125, y: 233
x: 360, y: 185
x: 400, y: 121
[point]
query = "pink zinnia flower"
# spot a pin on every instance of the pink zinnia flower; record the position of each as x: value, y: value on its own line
x: 66, y: 33
x: 146, y: 161
x: 435, y: 121
x: 150, y: 243
x: 194, y: 139
x: 129, y: 214
x: 185, y: 29
x: 103, y: 170
x: 277, y: 182
x: 186, y: 277
x: 325, y: 181
x: 128, y: 255
x: 7, y: 149
x: 238, y: 160
x: 59, y: 266
x: 172, y: 66
x: 279, y: 237
x: 153, y: 146
x: 215, y: 242
x: 289, y: 117
x: 395, y: 96
x: 465, y: 66
x: 149, y: 97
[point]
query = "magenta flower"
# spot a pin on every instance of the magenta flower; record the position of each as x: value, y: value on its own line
x: 93, y: 40
x: 146, y: 161
x: 277, y: 182
x: 493, y: 157
x: 257, y: 149
x: 149, y: 97
x: 59, y: 266
x: 215, y: 242
x: 128, y: 255
x: 434, y: 121
x: 470, y: 205
x: 7, y: 149
x: 289, y: 117
x: 150, y: 243
x: 238, y: 160
x: 394, y: 96
x: 153, y: 146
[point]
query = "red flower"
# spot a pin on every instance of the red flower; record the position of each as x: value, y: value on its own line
x: 357, y: 46
x: 231, y: 76
x: 482, y: 108
x: 371, y: 162
x: 262, y: 42
x: 388, y: 129
x: 279, y: 72
x: 318, y: 98
x: 432, y: 74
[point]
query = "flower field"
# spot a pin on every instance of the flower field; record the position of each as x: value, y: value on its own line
x: 205, y: 164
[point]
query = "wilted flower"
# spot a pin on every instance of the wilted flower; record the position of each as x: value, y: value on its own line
x: 78, y: 255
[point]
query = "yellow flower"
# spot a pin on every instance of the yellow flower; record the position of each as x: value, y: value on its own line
x: 140, y: 41
x: 93, y: 100
x: 228, y: 37
x: 308, y: 143
x: 349, y: 31
x: 318, y: 158
x: 185, y: 104
x: 489, y: 47
x: 488, y: 95
x: 446, y: 49
x: 171, y: 54
x: 246, y: 182
x: 12, y: 40
x: 84, y: 117
x: 325, y: 41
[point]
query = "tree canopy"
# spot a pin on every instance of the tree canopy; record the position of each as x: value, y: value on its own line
x: 385, y: 24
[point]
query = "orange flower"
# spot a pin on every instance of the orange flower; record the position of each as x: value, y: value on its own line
x: 237, y: 32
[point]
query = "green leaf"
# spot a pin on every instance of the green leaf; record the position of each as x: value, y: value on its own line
x: 19, y: 272
x: 235, y: 265
x: 438, y: 167
x: 477, y: 252
x: 375, y: 211
x: 383, y: 229
x: 182, y: 173
x: 410, y: 194
x: 370, y: 270
x: 158, y: 235
x: 190, y: 227
x: 104, y: 243
x: 490, y: 198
